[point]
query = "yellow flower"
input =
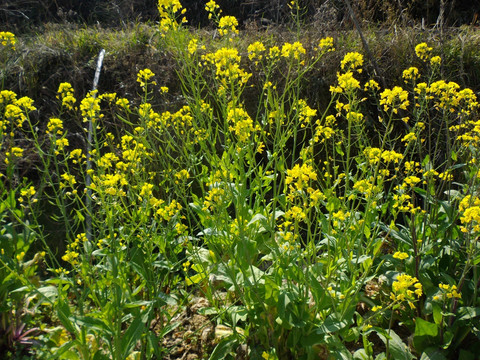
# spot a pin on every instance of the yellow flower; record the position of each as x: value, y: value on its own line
x: 346, y: 82
x: 90, y: 106
x: 371, y: 84
x: 182, y: 175
x: 409, y: 137
x: 143, y: 76
x: 400, y: 255
x: 423, y: 51
x: 410, y: 74
x: 326, y: 44
x: 391, y: 156
x: 352, y: 61
x: 435, y: 61
x: 8, y: 39
x: 65, y: 93
x: 401, y: 288
x: 54, y: 125
x: 394, y: 99
x: 211, y: 8
x: 241, y: 124
x: 295, y: 50
x: 300, y: 176
x: 255, y: 51
x: 227, y: 24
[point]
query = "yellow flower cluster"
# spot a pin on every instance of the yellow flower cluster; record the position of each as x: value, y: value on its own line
x: 324, y: 131
x: 55, y: 126
x: 371, y: 84
x: 295, y: 50
x: 8, y: 40
x: 449, y: 291
x: 394, y: 99
x: 27, y: 194
x: 65, y: 93
x: 470, y: 219
x: 423, y: 51
x: 346, y: 83
x: 299, y: 177
x: 241, y: 124
x: 15, y: 111
x: 69, y: 181
x: 352, y: 61
x: 90, y: 107
x: 305, y: 113
x: 374, y: 155
x: 410, y: 74
x: 144, y: 76
x: 400, y: 255
x: 211, y: 7
x: 326, y: 44
x: 13, y: 153
x: 213, y: 199
x: 77, y: 156
x: 256, y: 51
x: 367, y: 187
x: 227, y: 25
x: 168, y: 10
x: 182, y: 176
x: 401, y: 289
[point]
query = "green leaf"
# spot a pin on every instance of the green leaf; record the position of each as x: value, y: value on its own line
x: 425, y: 328
x: 425, y: 334
x: 64, y: 314
x: 94, y: 324
x: 433, y: 353
x: 333, y: 323
x: 466, y: 313
x: 396, y: 347
x: 132, y: 335
x: 437, y: 313
x: 223, y: 348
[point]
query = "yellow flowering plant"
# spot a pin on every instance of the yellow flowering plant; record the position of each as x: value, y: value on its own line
x: 305, y: 227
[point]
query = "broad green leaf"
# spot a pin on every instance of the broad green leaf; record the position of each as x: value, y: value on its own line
x: 397, y: 348
x: 437, y: 314
x: 433, y: 353
x: 425, y: 334
x: 333, y: 323
x: 223, y: 348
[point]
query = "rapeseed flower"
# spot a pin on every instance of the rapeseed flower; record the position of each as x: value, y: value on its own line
x: 55, y: 125
x: 211, y: 8
x: 352, y: 61
x: 241, y: 124
x: 326, y: 44
x: 227, y: 24
x: 65, y: 92
x: 144, y: 76
x: 295, y: 50
x: 8, y: 40
x: 423, y: 51
x: 371, y: 84
x: 410, y: 74
x: 400, y: 255
x: 394, y: 99
x: 299, y: 177
x: 406, y: 288
x: 255, y: 51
